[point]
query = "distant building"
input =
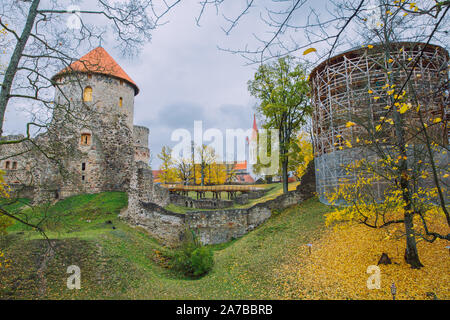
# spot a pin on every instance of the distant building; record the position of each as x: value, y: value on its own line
x: 157, y: 176
x: 241, y: 173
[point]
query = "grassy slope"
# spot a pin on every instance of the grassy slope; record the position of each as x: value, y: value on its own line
x: 125, y: 263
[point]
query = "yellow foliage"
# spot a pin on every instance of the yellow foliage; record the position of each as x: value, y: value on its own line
x: 337, y: 268
x: 306, y: 152
x: 5, y: 221
x: 307, y: 51
x: 4, y: 262
x: 350, y: 124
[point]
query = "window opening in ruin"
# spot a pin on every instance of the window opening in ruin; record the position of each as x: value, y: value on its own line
x: 83, y: 166
x: 87, y: 94
x: 82, y: 178
x: 86, y: 139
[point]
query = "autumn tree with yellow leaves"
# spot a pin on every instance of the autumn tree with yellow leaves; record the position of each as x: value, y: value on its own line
x: 5, y: 221
x: 301, y: 154
x: 405, y: 146
x: 168, y: 171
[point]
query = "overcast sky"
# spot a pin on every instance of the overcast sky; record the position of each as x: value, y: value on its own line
x: 184, y: 77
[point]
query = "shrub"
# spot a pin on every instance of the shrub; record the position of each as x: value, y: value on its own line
x: 202, y: 261
x: 192, y: 258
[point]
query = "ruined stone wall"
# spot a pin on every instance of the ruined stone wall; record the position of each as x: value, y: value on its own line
x: 15, y: 161
x: 143, y: 190
x: 142, y: 151
x: 184, y: 201
x: 216, y: 226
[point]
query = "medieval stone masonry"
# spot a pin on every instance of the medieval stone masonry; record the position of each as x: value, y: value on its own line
x: 90, y: 145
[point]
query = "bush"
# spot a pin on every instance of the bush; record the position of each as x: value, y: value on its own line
x: 192, y: 258
x: 202, y: 261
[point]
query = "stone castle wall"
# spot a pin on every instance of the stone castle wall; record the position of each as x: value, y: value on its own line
x: 184, y: 201
x: 57, y: 164
x: 212, y: 227
x: 141, y: 149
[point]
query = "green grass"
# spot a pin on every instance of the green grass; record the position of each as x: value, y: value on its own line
x: 72, y: 214
x: 125, y: 263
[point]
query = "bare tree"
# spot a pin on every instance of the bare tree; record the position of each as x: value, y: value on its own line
x: 184, y: 170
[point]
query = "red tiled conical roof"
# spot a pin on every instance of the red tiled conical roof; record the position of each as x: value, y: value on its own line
x: 98, y: 61
x: 255, y: 127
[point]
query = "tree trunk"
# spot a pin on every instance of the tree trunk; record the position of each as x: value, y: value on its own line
x: 411, y: 254
x: 203, y: 174
x: 285, y: 175
x: 14, y: 62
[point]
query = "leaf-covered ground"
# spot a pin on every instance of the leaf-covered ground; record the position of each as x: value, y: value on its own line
x: 337, y: 267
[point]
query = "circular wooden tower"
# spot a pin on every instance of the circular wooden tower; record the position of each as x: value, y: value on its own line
x: 353, y: 85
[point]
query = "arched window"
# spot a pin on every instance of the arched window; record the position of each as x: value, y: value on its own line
x: 120, y: 102
x: 86, y: 139
x: 87, y: 94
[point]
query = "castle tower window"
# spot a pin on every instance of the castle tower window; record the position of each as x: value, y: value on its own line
x: 83, y: 178
x: 120, y: 102
x: 121, y: 82
x: 86, y: 139
x: 83, y: 166
x: 87, y: 94
x: 7, y: 164
x: 14, y: 165
x: 89, y: 76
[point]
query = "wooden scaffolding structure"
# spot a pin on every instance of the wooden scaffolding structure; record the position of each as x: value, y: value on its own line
x: 343, y: 88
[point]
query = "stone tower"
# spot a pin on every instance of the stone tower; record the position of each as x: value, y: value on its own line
x: 101, y: 134
x: 91, y: 144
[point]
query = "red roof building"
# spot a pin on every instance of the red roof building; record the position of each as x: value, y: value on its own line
x: 240, y: 166
x: 156, y: 175
x: 98, y: 61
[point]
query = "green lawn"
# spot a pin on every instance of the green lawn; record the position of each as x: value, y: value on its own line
x: 121, y: 262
